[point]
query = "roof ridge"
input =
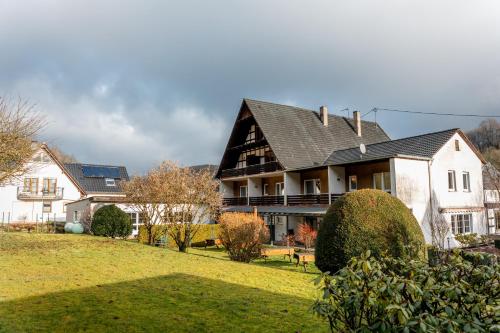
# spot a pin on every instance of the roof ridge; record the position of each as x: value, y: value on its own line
x: 305, y: 109
x: 100, y: 165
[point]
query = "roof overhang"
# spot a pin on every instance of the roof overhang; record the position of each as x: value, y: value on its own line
x: 449, y: 210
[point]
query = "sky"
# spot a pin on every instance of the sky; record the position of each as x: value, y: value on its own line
x: 137, y: 82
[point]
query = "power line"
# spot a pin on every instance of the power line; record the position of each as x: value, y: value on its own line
x: 433, y: 113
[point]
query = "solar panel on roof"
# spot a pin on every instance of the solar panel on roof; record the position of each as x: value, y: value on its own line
x: 100, y: 171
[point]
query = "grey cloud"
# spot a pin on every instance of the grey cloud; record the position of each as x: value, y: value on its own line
x: 149, y: 66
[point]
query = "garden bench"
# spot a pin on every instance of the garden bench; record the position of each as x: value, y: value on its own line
x: 285, y: 252
x: 162, y: 242
x: 304, y: 259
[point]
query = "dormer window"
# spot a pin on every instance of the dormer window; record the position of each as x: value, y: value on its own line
x: 110, y: 182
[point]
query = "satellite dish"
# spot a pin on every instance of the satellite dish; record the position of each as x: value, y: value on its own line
x: 362, y: 148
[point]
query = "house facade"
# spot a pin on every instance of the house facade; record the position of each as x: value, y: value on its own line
x: 292, y: 163
x: 41, y: 194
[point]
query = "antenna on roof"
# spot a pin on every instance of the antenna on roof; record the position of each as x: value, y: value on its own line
x: 346, y: 109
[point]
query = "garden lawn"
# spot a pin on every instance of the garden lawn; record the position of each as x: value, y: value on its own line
x: 71, y: 283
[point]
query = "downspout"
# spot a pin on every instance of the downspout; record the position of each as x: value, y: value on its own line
x: 430, y: 195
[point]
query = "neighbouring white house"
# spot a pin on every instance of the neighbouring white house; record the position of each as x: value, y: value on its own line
x: 100, y: 194
x: 41, y: 194
x: 292, y: 163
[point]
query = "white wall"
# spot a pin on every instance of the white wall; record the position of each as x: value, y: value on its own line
x: 292, y: 183
x: 29, y: 210
x: 254, y: 187
x: 336, y: 179
x: 226, y: 188
x: 411, y: 185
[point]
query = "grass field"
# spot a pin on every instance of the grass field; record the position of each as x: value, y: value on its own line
x: 72, y: 283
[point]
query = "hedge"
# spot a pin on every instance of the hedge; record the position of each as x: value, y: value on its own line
x: 366, y: 220
x: 207, y: 231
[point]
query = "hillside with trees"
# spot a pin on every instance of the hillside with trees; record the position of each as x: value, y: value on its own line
x: 486, y: 138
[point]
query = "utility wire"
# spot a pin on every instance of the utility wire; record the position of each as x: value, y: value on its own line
x: 433, y: 113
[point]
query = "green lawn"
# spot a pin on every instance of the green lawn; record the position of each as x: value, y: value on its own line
x: 71, y: 283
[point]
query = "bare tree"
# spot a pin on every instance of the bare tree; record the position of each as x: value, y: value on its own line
x: 143, y: 194
x: 189, y: 198
x: 440, y: 229
x: 19, y: 124
x: 486, y: 136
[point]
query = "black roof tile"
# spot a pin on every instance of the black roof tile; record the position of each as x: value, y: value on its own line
x: 96, y: 184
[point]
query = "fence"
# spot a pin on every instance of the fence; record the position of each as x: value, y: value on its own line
x: 44, y: 223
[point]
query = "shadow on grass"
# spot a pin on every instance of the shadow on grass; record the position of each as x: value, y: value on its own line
x: 170, y: 303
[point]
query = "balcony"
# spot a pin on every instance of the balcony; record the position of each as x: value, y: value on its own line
x: 308, y: 199
x: 277, y: 200
x: 251, y: 170
x: 57, y: 194
x: 267, y: 200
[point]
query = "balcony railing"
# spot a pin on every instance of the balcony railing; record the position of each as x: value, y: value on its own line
x: 237, y: 201
x: 308, y: 199
x: 267, y: 200
x: 251, y: 170
x: 56, y: 194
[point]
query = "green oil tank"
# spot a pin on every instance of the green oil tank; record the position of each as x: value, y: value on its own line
x: 77, y: 228
x: 68, y: 226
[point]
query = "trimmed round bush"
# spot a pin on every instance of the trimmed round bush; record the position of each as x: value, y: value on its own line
x: 111, y: 221
x: 366, y: 220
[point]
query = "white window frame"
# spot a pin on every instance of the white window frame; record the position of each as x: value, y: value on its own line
x: 351, y: 189
x: 458, y: 223
x: 279, y: 188
x: 246, y: 191
x: 382, y: 182
x: 457, y: 145
x: 265, y: 189
x: 466, y: 181
x: 315, y: 181
x: 110, y: 182
x: 49, y: 204
x: 454, y: 188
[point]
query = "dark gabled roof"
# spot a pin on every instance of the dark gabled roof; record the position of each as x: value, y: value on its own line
x: 299, y: 139
x: 421, y: 146
x: 95, y: 184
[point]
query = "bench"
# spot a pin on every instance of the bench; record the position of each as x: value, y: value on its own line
x: 304, y: 259
x: 161, y: 242
x: 285, y: 252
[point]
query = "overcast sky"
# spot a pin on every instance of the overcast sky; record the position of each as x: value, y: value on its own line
x: 138, y: 82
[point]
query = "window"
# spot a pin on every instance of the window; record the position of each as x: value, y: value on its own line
x: 452, y: 184
x: 461, y: 223
x: 49, y: 186
x: 497, y: 220
x: 76, y: 216
x: 265, y: 189
x: 243, y: 191
x: 312, y: 186
x: 47, y: 206
x: 457, y: 145
x: 254, y: 156
x: 279, y: 189
x: 466, y: 181
x: 30, y: 185
x: 382, y: 181
x: 110, y: 182
x: 41, y: 157
x: 353, y: 183
x: 135, y: 221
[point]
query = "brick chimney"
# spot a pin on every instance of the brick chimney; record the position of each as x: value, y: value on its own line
x: 357, y: 122
x: 323, y: 114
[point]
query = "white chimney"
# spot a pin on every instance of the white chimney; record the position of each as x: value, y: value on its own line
x: 357, y: 122
x: 323, y: 114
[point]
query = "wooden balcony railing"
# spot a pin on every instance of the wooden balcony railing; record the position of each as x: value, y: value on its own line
x: 267, y: 200
x: 56, y: 194
x: 277, y: 200
x: 237, y: 201
x: 307, y: 199
x: 251, y: 170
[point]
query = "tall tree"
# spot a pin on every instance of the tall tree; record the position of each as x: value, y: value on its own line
x: 486, y: 136
x: 19, y: 124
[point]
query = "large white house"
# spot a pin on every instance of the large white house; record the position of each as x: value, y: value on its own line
x: 49, y: 186
x: 40, y: 194
x: 291, y: 163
